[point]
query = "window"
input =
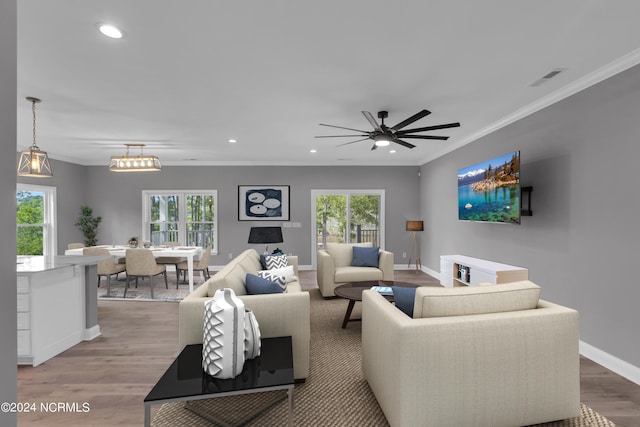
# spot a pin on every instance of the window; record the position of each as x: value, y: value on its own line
x: 35, y: 220
x: 347, y: 216
x: 180, y: 216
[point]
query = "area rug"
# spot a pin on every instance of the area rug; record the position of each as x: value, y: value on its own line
x: 335, y: 394
x: 143, y: 291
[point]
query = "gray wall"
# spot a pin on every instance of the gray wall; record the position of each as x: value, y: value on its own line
x: 117, y: 197
x: 8, y: 327
x: 69, y: 181
x: 581, y: 244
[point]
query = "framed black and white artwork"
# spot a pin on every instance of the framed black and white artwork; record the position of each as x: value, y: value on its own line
x: 263, y: 203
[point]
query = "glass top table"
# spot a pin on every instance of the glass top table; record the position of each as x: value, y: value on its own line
x: 185, y: 380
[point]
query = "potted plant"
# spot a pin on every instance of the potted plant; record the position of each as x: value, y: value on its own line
x: 88, y: 225
x: 133, y: 242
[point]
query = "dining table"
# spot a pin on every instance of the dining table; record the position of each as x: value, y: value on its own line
x: 119, y: 251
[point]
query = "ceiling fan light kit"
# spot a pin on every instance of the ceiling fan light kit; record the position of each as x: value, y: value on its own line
x: 383, y: 135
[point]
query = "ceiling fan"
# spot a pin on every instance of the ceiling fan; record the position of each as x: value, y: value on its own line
x: 382, y: 135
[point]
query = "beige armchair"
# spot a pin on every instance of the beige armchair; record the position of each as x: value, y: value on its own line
x: 334, y: 267
x: 201, y: 265
x: 140, y: 262
x: 76, y: 245
x: 170, y: 260
x: 106, y: 267
x: 483, y: 356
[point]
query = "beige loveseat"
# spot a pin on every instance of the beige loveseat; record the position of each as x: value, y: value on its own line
x: 335, y: 269
x: 478, y: 356
x: 277, y: 314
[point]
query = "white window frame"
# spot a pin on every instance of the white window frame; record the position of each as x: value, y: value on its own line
x: 49, y: 227
x: 316, y: 193
x: 182, y: 205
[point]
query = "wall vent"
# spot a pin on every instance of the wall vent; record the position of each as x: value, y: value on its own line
x: 553, y: 73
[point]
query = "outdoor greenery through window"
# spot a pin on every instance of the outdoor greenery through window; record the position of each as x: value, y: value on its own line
x: 35, y: 216
x: 186, y: 217
x: 349, y: 217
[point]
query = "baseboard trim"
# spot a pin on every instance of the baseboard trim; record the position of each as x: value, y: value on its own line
x: 91, y: 333
x: 619, y: 366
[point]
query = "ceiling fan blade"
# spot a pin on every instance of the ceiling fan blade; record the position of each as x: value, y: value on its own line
x: 411, y: 119
x: 372, y: 120
x: 338, y: 136
x: 342, y: 127
x: 436, y: 127
x: 352, y: 142
x: 443, y: 138
x: 403, y: 143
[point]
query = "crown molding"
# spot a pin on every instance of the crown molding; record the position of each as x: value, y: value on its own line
x: 615, y: 67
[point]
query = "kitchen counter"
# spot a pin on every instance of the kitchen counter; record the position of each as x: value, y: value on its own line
x: 57, y: 305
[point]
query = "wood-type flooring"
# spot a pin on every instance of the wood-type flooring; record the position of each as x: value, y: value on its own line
x: 113, y: 373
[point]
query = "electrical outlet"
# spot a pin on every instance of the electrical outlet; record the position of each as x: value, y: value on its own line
x: 404, y: 254
x: 230, y: 256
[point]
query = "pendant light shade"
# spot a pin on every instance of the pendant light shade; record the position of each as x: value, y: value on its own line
x: 139, y: 163
x: 33, y: 162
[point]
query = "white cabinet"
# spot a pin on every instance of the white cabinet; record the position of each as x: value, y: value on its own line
x: 460, y: 270
x: 50, y: 313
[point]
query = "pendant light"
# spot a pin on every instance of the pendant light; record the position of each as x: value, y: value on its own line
x: 139, y: 163
x: 34, y: 162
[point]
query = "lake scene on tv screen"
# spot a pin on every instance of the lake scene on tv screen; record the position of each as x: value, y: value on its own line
x: 490, y: 191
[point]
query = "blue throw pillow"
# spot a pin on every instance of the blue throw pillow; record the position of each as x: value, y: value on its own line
x: 404, y: 299
x: 365, y: 256
x: 257, y: 285
x: 263, y: 261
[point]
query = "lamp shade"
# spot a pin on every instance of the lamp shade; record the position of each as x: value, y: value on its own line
x: 415, y: 226
x: 265, y: 235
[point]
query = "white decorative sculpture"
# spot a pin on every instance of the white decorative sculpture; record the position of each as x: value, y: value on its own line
x: 251, y: 335
x: 223, y: 345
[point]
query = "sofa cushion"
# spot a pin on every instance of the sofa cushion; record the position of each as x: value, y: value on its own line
x: 279, y: 279
x: 365, y: 257
x: 466, y: 300
x: 275, y: 261
x: 230, y: 278
x: 404, y: 299
x: 342, y: 253
x: 356, y: 274
x: 257, y: 285
x: 250, y: 262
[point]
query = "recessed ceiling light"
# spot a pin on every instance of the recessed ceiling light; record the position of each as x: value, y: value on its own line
x: 313, y: 150
x: 111, y: 31
x: 233, y: 141
x: 392, y: 151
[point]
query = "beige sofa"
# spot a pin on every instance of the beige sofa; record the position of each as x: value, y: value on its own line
x: 277, y: 314
x: 483, y: 356
x: 334, y: 267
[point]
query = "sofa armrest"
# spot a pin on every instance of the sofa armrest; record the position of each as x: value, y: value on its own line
x: 325, y: 273
x: 293, y: 260
x: 277, y: 315
x: 385, y: 263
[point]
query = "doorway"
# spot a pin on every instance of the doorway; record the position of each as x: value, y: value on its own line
x: 346, y: 216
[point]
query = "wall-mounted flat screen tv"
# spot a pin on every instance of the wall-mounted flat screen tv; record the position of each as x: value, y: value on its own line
x: 490, y: 191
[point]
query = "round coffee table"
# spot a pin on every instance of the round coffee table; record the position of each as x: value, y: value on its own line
x: 353, y: 292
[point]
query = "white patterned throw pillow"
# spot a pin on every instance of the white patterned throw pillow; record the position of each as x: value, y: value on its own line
x: 276, y: 261
x: 288, y: 273
x: 275, y: 277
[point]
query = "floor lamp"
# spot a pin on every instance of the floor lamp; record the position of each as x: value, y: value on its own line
x: 415, y: 226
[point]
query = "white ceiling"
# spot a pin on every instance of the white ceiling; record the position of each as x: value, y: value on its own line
x: 191, y: 74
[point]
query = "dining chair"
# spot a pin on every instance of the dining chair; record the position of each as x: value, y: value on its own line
x: 201, y: 265
x: 170, y: 260
x: 106, y: 267
x: 76, y: 245
x: 141, y: 263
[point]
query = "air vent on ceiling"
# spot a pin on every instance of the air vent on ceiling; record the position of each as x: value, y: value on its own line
x: 553, y: 73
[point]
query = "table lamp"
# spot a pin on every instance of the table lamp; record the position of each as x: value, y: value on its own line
x: 415, y: 226
x: 265, y: 235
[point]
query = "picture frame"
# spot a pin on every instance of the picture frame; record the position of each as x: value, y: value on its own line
x: 263, y: 202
